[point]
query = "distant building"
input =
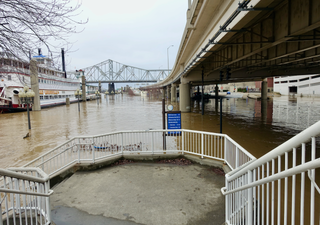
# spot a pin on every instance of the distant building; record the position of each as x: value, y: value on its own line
x: 304, y: 85
x: 251, y: 86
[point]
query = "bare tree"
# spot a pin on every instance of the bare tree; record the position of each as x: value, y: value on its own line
x: 25, y: 25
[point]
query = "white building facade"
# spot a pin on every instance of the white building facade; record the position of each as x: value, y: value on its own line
x: 304, y: 85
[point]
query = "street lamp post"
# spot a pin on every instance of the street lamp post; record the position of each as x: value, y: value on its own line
x: 168, y: 56
x: 97, y: 95
x: 78, y: 94
x: 26, y: 97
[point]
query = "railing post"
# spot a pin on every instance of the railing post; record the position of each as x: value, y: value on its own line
x: 47, y: 186
x: 38, y: 207
x: 18, y: 205
x: 182, y: 142
x: 152, y: 142
x: 226, y: 199
x: 225, y: 149
x: 312, y: 192
x: 93, y: 151
x: 237, y: 157
x: 121, y: 143
x: 1, y: 222
x: 78, y: 150
x: 202, y: 145
x: 250, y: 200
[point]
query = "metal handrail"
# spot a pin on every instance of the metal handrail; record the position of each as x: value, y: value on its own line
x: 10, y: 173
x: 287, y: 173
x: 25, y: 192
x: 295, y: 141
x: 62, y: 148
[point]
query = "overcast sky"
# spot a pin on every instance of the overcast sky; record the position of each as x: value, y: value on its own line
x: 132, y: 32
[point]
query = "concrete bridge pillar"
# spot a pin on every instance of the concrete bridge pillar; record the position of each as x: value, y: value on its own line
x: 173, y: 93
x: 264, y: 89
x: 111, y: 88
x: 100, y: 86
x: 184, y: 95
x: 84, y: 94
x: 163, y: 93
x: 168, y: 92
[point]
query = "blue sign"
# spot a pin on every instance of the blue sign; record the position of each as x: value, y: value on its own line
x: 174, y: 122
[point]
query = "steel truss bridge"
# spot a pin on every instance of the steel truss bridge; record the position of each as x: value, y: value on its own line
x: 110, y: 71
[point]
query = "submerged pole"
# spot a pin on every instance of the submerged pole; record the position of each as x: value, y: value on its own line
x: 202, y: 94
x: 28, y: 116
x: 164, y: 118
x: 221, y: 115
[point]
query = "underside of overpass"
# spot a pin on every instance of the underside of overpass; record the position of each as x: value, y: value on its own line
x: 250, y: 40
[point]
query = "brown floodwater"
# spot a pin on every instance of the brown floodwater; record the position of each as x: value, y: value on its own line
x: 258, y: 132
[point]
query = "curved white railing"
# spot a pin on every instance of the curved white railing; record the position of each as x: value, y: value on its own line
x: 24, y: 196
x: 274, y: 189
x: 252, y: 195
x: 93, y: 149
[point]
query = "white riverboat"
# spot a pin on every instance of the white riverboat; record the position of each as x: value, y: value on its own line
x: 54, y: 87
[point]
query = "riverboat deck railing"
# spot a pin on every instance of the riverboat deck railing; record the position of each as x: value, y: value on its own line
x: 24, y: 196
x: 281, y: 187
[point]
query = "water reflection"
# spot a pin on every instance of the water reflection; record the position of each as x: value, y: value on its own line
x: 292, y: 113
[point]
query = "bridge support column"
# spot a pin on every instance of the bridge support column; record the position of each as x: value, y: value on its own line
x: 111, y: 88
x: 168, y: 92
x: 264, y: 90
x: 173, y: 93
x: 35, y: 85
x: 84, y: 94
x: 184, y: 95
x: 100, y: 86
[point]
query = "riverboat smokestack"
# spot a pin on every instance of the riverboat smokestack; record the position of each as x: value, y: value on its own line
x: 63, y: 63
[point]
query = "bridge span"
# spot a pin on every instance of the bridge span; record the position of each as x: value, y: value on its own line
x: 232, y: 41
x: 110, y: 71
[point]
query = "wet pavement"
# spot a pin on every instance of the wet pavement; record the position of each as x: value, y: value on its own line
x: 63, y: 215
x: 141, y: 193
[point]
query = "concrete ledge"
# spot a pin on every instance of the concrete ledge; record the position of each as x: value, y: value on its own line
x: 101, y: 163
x: 152, y: 157
x: 208, y: 162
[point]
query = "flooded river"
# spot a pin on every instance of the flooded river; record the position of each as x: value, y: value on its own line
x: 258, y: 132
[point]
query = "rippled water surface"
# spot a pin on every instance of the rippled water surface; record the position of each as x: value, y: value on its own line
x: 258, y: 131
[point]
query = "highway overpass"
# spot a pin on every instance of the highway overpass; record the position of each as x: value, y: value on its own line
x: 248, y: 40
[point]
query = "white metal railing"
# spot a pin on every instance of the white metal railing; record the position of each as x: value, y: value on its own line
x: 24, y: 196
x: 97, y: 148
x: 281, y: 187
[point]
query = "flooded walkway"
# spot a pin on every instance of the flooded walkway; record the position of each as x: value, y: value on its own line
x: 141, y: 193
x: 242, y: 121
